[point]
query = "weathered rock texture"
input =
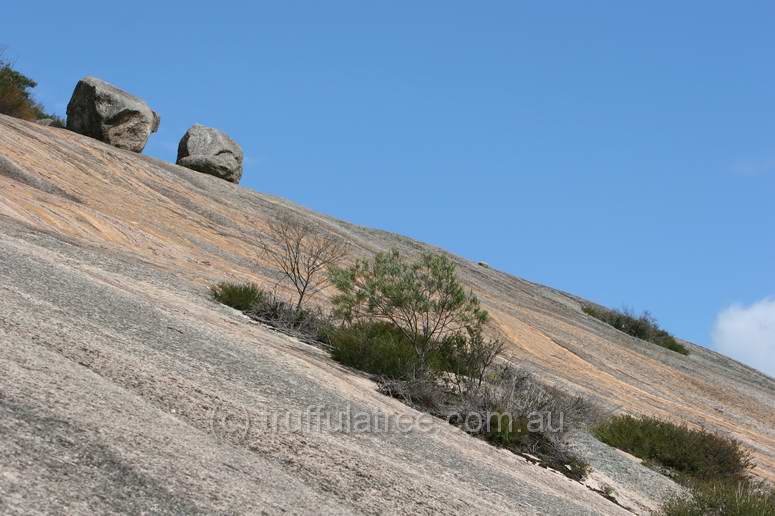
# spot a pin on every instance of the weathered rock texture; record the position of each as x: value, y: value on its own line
x: 116, y: 370
x: 104, y: 112
x: 211, y: 151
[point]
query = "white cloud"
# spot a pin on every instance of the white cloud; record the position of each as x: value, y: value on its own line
x: 747, y: 334
x: 754, y: 167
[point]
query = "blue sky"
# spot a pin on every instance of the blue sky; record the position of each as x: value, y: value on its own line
x: 621, y: 151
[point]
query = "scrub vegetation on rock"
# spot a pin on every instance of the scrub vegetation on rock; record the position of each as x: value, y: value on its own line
x: 16, y: 97
x: 716, y: 469
x: 412, y: 325
x: 643, y: 326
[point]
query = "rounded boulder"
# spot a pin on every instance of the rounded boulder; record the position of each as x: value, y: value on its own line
x: 212, y: 152
x: 102, y: 111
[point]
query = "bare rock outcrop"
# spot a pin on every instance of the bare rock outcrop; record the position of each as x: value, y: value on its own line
x: 102, y: 111
x: 211, y: 151
x: 125, y: 389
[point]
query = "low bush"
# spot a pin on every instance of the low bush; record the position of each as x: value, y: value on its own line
x: 468, y: 358
x: 642, y: 326
x: 374, y: 347
x: 518, y: 434
x: 714, y: 468
x: 422, y: 394
x: 13, y: 101
x: 693, y: 455
x: 723, y: 499
x: 524, y: 415
x: 382, y: 349
x: 16, y: 99
x: 511, y: 410
x: 310, y: 325
x: 240, y: 296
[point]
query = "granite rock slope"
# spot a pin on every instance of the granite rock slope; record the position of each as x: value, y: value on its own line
x: 124, y: 388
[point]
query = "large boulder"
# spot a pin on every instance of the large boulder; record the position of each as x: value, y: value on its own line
x: 102, y: 111
x: 211, y: 151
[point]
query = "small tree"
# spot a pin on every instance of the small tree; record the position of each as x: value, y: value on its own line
x: 423, y: 298
x: 302, y: 253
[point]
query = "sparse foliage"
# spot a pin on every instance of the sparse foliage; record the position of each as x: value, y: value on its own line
x: 310, y: 325
x: 468, y: 358
x: 529, y: 416
x: 302, y: 253
x: 511, y: 410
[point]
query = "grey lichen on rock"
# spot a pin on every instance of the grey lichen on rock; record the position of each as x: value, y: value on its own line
x: 211, y: 151
x: 109, y: 114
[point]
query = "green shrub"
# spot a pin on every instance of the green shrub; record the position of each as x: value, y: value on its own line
x: 723, y: 499
x: 241, y: 296
x: 715, y: 468
x: 642, y: 326
x: 307, y: 324
x: 507, y: 431
x: 420, y: 393
x: 16, y: 99
x: 375, y: 347
x: 691, y: 454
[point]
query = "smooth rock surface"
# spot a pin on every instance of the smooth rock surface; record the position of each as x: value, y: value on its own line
x: 104, y: 112
x: 212, y: 152
x: 125, y: 389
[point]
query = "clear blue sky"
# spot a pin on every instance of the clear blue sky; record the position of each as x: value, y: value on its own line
x: 621, y: 151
